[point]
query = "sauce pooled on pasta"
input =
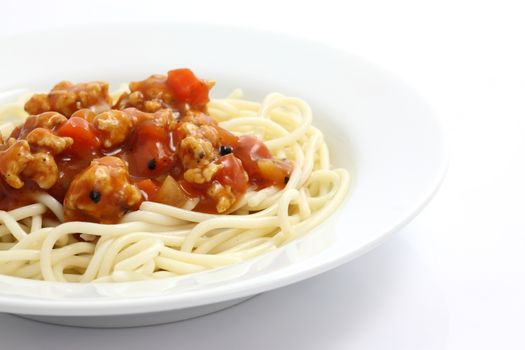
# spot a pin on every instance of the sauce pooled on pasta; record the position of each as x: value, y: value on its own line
x: 156, y: 143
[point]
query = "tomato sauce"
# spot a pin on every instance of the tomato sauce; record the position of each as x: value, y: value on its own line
x: 168, y: 154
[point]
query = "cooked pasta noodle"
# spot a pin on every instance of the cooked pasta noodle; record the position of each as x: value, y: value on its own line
x: 159, y: 240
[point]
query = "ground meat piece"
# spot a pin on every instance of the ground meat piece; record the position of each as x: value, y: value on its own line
x: 202, y: 175
x: 85, y: 113
x: 114, y: 125
x: 222, y: 195
x: 38, y: 103
x: 198, y: 146
x: 42, y: 169
x: 196, y: 152
x: 67, y: 98
x: 154, y: 93
x: 46, y: 139
x: 148, y: 95
x: 165, y: 118
x: 153, y: 88
x: 101, y: 193
x: 136, y: 100
x: 46, y: 120
x: 201, y: 125
x: 199, y: 118
x: 13, y: 161
x: 6, y: 143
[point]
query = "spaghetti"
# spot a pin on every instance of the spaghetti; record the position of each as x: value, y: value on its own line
x: 160, y: 240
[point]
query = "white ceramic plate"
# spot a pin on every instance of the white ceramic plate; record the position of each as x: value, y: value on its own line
x: 375, y: 125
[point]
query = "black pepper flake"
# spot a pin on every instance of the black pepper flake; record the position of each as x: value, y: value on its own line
x: 224, y: 150
x: 201, y: 155
x: 152, y: 164
x: 286, y: 179
x: 94, y: 196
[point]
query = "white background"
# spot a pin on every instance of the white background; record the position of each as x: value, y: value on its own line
x: 453, y: 278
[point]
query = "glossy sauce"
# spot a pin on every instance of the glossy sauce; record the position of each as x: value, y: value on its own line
x: 151, y: 150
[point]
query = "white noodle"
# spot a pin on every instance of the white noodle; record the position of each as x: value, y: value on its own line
x: 160, y: 241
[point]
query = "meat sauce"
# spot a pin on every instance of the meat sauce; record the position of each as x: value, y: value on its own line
x: 156, y: 143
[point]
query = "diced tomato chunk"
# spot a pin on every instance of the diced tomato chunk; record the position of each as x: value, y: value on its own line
x: 83, y: 133
x: 227, y: 138
x: 151, y: 155
x: 186, y: 87
x: 232, y: 173
x: 258, y: 162
x: 249, y: 150
x: 148, y: 188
